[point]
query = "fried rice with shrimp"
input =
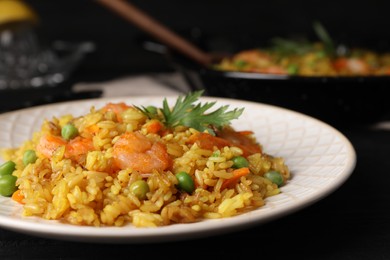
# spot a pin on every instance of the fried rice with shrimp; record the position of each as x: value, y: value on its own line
x: 146, y: 166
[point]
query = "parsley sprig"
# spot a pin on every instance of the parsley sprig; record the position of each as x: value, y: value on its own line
x: 188, y: 113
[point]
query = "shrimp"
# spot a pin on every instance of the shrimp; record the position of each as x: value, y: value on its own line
x: 78, y: 148
x: 134, y: 150
x: 48, y: 144
x: 241, y: 139
x: 75, y: 149
x: 227, y: 137
x: 351, y: 66
x: 117, y: 108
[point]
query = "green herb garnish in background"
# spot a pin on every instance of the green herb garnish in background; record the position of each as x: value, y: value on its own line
x: 325, y: 38
x: 188, y: 113
x: 287, y: 47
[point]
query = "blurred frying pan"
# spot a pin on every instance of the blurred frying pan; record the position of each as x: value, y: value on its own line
x: 335, y: 100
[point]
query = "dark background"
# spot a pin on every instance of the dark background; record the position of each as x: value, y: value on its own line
x: 118, y: 43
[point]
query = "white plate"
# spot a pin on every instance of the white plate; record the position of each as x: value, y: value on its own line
x: 320, y: 159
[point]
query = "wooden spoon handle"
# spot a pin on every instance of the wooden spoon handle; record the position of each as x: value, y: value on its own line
x: 156, y: 29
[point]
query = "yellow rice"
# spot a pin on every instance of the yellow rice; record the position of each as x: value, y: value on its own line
x: 89, y: 193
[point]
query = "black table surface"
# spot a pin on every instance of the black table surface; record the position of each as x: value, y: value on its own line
x: 351, y: 223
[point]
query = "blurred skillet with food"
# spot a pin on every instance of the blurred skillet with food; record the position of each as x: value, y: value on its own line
x: 337, y: 83
x: 309, y: 59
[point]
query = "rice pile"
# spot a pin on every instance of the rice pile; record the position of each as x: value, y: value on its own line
x: 88, y: 188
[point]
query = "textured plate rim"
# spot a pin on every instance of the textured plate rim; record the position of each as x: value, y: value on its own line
x: 50, y: 229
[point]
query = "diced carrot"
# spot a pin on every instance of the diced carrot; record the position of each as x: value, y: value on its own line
x: 340, y: 64
x: 18, y: 196
x: 165, y: 132
x: 154, y: 126
x: 237, y: 174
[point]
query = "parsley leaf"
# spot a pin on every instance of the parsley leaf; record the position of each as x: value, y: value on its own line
x: 188, y: 113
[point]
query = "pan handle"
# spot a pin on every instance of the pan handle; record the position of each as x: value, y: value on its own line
x: 189, y: 71
x: 146, y: 23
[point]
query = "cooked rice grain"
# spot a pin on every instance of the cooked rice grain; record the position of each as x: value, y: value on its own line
x: 89, y: 189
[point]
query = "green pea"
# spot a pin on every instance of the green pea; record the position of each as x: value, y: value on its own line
x: 216, y: 154
x: 69, y: 131
x: 139, y: 189
x: 321, y: 54
x: 8, y: 185
x: 292, y: 69
x: 275, y: 177
x: 239, y: 162
x: 7, y: 168
x: 186, y: 183
x: 29, y: 156
x: 239, y: 64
